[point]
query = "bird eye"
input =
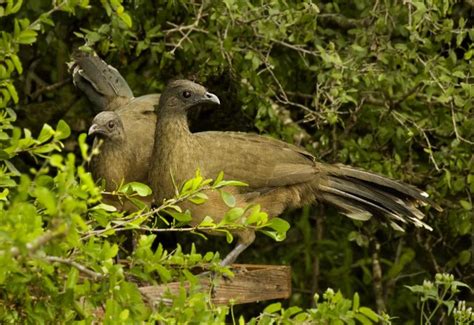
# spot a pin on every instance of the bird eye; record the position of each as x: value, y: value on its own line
x: 186, y: 94
x: 111, y: 124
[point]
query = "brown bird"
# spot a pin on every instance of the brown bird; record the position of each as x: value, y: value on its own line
x: 124, y: 133
x: 124, y: 139
x: 279, y: 175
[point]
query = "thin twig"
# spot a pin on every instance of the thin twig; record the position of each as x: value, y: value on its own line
x: 190, y: 28
x: 55, y: 8
x: 400, y: 118
x: 181, y: 29
x: 166, y: 204
x: 429, y: 251
x: 458, y: 136
x: 40, y: 241
x: 282, y: 91
x: 407, y: 94
x: 80, y: 267
x: 50, y: 88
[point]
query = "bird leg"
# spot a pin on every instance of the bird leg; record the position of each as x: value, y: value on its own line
x: 246, y: 238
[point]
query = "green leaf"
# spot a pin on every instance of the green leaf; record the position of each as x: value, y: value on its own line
x: 126, y: 19
x: 276, y: 236
x: 256, y: 216
x: 27, y: 36
x: 46, y: 148
x: 83, y: 146
x: 207, y: 222
x: 461, y: 284
x: 272, y: 308
x: 369, y: 313
x: 364, y: 320
x: 416, y: 288
x: 228, y: 236
x: 139, y: 203
x: 355, y: 302
x: 141, y: 189
x: 47, y: 199
x: 4, y: 194
x: 464, y: 257
x: 56, y: 160
x: 450, y: 305
x: 182, y: 217
x: 105, y: 207
x: 279, y: 225
x: 164, y: 273
x: 466, y: 205
x: 232, y: 183
x: 124, y: 315
x: 72, y: 278
x: 46, y: 133
x: 228, y: 199
x: 219, y: 178
x: 198, y: 198
x: 15, y: 8
x: 4, y: 155
x: 63, y: 130
x: 233, y: 214
x: 11, y: 168
x: 12, y: 91
x: 187, y: 186
x: 291, y: 311
x: 359, y: 238
x: 17, y: 63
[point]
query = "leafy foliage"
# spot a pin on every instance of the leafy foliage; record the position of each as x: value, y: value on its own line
x: 441, y: 293
x: 384, y: 86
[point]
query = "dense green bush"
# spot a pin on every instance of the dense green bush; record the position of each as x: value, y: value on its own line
x: 380, y: 85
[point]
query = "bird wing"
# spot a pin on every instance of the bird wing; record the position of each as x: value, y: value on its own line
x: 261, y: 162
x: 143, y: 105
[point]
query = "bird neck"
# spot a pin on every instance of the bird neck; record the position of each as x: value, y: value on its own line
x: 172, y: 137
x: 172, y: 126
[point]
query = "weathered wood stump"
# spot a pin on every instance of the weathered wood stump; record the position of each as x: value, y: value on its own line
x: 251, y: 283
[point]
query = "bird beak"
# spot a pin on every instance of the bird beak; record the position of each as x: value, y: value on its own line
x: 210, y: 98
x: 95, y: 129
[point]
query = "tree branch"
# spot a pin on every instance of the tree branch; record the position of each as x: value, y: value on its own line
x: 189, y: 29
x: 377, y: 276
x: 48, y: 88
x: 80, y: 267
x: 39, y: 242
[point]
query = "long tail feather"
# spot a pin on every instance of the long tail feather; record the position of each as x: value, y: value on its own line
x: 101, y: 83
x: 361, y: 194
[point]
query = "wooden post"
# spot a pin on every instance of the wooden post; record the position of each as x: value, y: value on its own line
x: 251, y: 283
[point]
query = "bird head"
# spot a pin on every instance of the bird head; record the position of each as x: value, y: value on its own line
x: 181, y: 95
x: 107, y: 125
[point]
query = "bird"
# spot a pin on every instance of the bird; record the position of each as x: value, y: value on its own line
x: 123, y: 131
x: 279, y: 175
x: 123, y: 143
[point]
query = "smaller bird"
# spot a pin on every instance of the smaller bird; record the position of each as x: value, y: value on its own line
x: 123, y: 132
x: 124, y: 139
